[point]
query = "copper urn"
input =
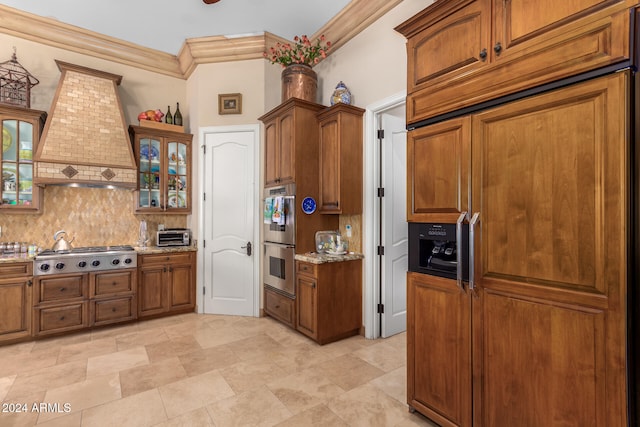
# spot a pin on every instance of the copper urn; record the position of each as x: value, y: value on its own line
x: 299, y: 81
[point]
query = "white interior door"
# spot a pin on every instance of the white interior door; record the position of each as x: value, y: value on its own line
x: 393, y: 230
x: 230, y: 278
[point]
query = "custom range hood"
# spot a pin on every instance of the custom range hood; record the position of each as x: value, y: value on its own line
x: 85, y: 140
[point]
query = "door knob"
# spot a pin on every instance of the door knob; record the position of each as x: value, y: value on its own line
x: 248, y: 248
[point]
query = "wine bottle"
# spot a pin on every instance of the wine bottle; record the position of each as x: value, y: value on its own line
x: 168, y: 118
x: 177, y: 117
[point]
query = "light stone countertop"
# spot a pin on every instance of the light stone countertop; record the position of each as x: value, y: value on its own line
x: 16, y: 257
x: 164, y: 249
x: 24, y: 257
x: 316, y: 258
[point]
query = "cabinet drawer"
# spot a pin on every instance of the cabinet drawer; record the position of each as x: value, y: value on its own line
x: 306, y: 268
x: 16, y: 269
x: 114, y: 310
x: 163, y: 259
x: 61, y: 288
x: 279, y: 306
x: 62, y: 318
x: 113, y: 283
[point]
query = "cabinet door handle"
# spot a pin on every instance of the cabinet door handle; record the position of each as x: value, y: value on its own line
x: 472, y: 249
x: 483, y: 54
x: 30, y: 282
x: 497, y: 48
x: 63, y: 289
x: 459, y: 222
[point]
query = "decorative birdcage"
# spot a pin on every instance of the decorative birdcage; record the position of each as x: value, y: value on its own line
x: 15, y: 83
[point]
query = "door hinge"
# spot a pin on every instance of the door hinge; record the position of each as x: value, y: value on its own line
x: 380, y: 133
x: 380, y: 250
x: 380, y: 308
x: 203, y: 290
x: 204, y: 243
x: 381, y: 192
x: 204, y: 149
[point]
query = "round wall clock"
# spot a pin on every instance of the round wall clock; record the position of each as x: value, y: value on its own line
x: 308, y: 205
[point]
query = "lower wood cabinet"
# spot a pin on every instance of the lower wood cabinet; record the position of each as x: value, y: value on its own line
x: 439, y: 349
x: 16, y: 281
x: 77, y: 301
x: 166, y: 283
x: 329, y: 300
x: 280, y: 307
x: 60, y: 303
x: 113, y: 297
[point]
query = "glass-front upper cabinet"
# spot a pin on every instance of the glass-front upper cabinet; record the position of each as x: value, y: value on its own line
x: 21, y: 130
x: 164, y: 170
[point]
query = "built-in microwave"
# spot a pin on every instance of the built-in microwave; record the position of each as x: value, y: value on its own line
x: 279, y: 214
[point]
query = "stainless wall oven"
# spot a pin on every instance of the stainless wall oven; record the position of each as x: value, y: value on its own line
x: 278, y: 267
x: 279, y: 235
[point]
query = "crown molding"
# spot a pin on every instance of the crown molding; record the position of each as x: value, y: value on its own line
x: 69, y: 37
x: 349, y: 22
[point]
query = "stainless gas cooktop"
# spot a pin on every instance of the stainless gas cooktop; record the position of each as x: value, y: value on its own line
x: 87, y: 259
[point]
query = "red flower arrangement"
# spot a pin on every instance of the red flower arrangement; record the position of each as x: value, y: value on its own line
x: 302, y: 52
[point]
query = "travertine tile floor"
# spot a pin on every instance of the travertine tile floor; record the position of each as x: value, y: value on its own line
x: 204, y: 370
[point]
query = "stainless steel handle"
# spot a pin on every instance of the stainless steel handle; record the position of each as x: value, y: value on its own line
x: 459, y: 222
x: 472, y: 249
x: 248, y: 248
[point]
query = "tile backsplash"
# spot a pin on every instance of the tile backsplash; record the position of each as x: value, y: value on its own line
x: 93, y: 216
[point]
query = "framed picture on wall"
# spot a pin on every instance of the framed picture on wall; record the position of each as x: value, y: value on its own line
x: 230, y: 103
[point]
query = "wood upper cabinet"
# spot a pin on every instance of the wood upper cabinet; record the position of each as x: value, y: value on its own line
x: 340, y: 160
x: 164, y: 170
x: 329, y: 300
x: 290, y: 140
x: 438, y: 171
x: 16, y: 281
x: 464, y: 52
x: 166, y: 283
x: 21, y: 130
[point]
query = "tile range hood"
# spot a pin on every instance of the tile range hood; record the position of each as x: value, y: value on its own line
x: 85, y: 140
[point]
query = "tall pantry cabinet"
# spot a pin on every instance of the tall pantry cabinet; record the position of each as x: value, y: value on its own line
x: 539, y: 334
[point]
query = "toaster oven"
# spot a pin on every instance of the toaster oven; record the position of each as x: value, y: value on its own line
x: 174, y: 237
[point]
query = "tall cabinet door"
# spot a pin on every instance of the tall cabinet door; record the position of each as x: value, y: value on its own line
x: 439, y: 349
x: 549, y: 184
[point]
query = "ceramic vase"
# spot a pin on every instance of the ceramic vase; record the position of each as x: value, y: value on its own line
x: 299, y: 81
x: 341, y: 95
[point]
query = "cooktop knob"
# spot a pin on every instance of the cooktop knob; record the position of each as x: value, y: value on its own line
x: 44, y: 267
x: 115, y: 261
x: 128, y: 261
x: 95, y: 263
x: 59, y: 265
x: 82, y: 264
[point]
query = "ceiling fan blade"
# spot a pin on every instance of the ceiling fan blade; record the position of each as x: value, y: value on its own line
x: 210, y: 1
